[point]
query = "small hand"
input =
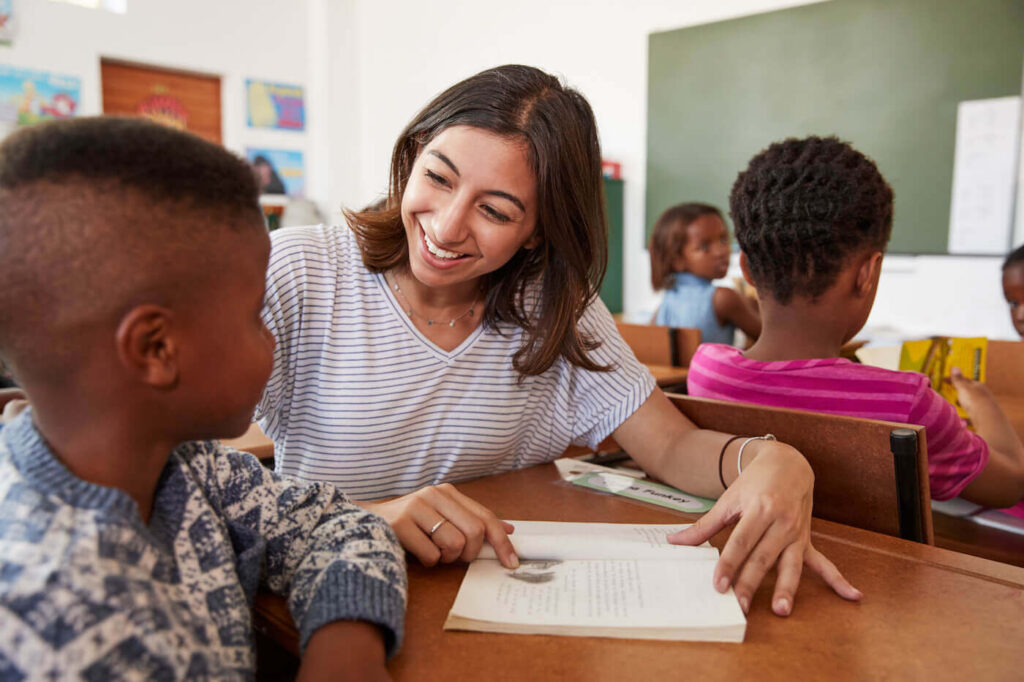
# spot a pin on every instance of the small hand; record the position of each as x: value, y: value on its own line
x: 464, y: 524
x: 971, y: 394
x: 772, y: 502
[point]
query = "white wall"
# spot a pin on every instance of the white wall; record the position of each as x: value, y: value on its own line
x: 409, y: 51
x: 233, y: 39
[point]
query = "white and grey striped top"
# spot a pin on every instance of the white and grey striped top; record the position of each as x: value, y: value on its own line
x: 361, y: 399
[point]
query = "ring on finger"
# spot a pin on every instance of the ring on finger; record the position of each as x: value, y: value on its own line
x: 433, y: 529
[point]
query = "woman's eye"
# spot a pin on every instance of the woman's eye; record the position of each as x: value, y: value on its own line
x: 494, y: 215
x: 439, y: 179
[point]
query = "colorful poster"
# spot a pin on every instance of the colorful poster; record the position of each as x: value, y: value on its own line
x: 280, y: 171
x: 6, y: 21
x: 27, y: 96
x: 274, y: 105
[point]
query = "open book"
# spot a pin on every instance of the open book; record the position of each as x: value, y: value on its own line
x: 936, y: 357
x: 598, y: 580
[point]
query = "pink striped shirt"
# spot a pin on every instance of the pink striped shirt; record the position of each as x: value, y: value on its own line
x: 839, y: 386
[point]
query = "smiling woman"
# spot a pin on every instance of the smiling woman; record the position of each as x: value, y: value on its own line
x: 456, y: 332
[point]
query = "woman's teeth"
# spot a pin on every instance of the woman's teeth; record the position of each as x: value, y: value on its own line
x: 437, y: 250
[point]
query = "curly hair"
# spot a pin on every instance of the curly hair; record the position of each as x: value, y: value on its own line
x: 1014, y: 258
x: 802, y: 208
x: 669, y: 237
x: 557, y: 125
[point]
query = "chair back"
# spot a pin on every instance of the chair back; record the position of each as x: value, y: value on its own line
x: 869, y: 473
x: 656, y: 345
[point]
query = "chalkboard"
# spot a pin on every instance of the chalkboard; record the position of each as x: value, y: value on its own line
x: 886, y: 75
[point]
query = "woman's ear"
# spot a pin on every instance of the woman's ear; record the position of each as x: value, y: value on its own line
x: 534, y: 241
x: 147, y: 345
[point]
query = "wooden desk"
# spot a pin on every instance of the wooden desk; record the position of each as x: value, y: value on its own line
x: 667, y: 375
x: 927, y: 614
x: 253, y: 441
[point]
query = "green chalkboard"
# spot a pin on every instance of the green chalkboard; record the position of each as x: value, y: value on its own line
x: 886, y: 75
x: 611, y: 288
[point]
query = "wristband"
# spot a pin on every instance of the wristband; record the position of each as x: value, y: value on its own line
x: 721, y: 456
x: 739, y: 457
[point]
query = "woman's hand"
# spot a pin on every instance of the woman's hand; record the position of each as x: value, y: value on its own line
x: 438, y: 523
x: 772, y: 501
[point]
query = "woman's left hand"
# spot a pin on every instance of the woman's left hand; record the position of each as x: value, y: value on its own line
x: 771, y: 500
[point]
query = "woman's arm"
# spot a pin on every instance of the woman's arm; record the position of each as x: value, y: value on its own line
x: 770, y: 502
x: 732, y: 307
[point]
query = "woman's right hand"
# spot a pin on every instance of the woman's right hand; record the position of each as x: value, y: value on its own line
x: 464, y: 525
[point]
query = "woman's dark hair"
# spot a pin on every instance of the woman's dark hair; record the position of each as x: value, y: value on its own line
x: 557, y: 126
x: 802, y: 208
x: 669, y: 237
x: 1016, y: 256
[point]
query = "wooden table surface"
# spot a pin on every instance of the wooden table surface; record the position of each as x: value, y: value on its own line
x: 928, y: 613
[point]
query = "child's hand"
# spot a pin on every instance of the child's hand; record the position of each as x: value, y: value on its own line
x: 440, y: 524
x: 345, y: 650
x: 972, y: 395
x: 772, y: 502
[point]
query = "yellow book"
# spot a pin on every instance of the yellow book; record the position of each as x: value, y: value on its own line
x: 936, y: 357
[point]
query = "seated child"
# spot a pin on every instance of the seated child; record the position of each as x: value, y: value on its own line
x: 1013, y: 287
x: 689, y: 248
x: 813, y: 218
x: 132, y: 265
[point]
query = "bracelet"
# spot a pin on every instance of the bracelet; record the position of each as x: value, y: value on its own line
x: 739, y: 457
x: 721, y: 456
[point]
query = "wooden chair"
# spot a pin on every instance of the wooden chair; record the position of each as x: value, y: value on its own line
x: 656, y: 345
x: 1004, y: 367
x: 869, y: 473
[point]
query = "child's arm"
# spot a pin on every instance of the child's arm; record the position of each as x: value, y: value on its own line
x: 1001, y: 482
x: 732, y: 308
x: 344, y: 650
x: 333, y: 560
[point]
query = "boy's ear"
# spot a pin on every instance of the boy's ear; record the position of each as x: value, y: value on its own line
x: 147, y: 346
x: 868, y: 273
x: 745, y: 269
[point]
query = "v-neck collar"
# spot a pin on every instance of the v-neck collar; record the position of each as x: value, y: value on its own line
x: 433, y: 348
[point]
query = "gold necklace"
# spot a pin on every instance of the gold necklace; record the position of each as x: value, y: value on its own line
x: 411, y: 313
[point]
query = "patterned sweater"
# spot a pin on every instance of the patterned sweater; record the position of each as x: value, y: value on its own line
x: 87, y: 590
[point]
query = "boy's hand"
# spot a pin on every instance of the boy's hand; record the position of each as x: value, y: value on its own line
x: 440, y: 524
x: 345, y: 650
x: 772, y: 502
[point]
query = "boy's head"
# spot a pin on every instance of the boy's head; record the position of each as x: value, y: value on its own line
x: 805, y: 209
x: 1013, y: 287
x: 132, y: 264
x: 690, y: 237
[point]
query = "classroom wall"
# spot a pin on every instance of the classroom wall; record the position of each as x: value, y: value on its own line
x: 407, y: 55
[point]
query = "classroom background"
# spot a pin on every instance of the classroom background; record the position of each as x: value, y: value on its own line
x: 365, y: 65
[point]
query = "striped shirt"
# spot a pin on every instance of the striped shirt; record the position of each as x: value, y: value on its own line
x: 838, y: 386
x: 361, y: 399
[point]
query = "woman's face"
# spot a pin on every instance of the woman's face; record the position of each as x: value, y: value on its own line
x: 469, y: 206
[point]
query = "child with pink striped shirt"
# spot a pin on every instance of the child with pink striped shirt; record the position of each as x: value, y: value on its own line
x: 813, y: 218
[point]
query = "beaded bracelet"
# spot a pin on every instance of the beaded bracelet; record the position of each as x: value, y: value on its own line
x: 721, y: 456
x: 739, y: 457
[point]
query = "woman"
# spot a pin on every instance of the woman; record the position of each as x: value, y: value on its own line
x: 456, y: 333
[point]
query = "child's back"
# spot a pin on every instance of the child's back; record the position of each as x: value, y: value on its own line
x: 132, y: 265
x: 812, y: 218
x: 689, y: 248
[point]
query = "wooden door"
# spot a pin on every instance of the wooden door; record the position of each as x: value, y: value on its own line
x: 184, y: 100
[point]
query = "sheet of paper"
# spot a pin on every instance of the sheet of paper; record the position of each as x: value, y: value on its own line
x: 557, y: 540
x: 569, y: 467
x: 645, y: 491
x: 610, y: 593
x: 984, y: 176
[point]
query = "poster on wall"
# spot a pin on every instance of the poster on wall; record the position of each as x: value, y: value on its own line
x: 275, y: 105
x: 6, y: 21
x: 280, y: 171
x: 28, y: 96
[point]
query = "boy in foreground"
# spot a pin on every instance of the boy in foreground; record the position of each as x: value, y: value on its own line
x: 132, y: 265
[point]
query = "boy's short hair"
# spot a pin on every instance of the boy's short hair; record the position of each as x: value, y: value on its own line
x: 802, y: 208
x: 1015, y: 257
x: 101, y: 214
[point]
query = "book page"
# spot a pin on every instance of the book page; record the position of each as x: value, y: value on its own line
x: 556, y: 540
x: 648, y: 594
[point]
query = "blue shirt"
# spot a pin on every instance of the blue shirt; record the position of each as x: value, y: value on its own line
x: 689, y: 304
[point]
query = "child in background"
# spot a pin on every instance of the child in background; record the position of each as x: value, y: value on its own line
x: 132, y: 266
x: 1013, y: 287
x: 690, y: 248
x: 813, y: 218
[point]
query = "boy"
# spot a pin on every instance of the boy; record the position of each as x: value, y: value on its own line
x: 813, y: 218
x: 132, y: 264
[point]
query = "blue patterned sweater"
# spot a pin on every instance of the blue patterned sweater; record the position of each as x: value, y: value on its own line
x: 87, y: 590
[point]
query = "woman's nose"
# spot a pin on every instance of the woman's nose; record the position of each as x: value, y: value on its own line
x: 450, y: 226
